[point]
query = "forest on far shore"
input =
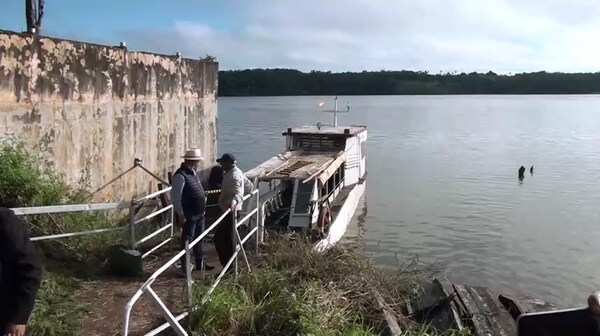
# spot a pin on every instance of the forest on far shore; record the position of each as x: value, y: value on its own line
x: 288, y: 82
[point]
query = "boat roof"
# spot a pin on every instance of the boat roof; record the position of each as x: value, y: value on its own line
x: 344, y: 131
x: 299, y: 164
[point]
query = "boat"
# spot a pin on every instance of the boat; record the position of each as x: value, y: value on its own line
x: 316, y: 183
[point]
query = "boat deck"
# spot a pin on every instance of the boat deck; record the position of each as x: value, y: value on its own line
x: 340, y: 199
x: 298, y: 164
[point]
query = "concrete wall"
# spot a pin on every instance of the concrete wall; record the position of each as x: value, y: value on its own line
x: 92, y: 109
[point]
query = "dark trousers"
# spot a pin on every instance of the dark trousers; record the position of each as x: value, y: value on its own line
x: 192, y: 228
x: 224, y: 239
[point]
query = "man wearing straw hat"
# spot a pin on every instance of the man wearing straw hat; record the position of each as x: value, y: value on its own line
x: 189, y: 204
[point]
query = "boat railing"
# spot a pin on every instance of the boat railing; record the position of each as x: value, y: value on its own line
x: 146, y: 289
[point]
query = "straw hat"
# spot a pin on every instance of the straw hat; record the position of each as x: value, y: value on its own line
x: 193, y: 154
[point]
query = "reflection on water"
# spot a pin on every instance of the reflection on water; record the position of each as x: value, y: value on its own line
x: 442, y: 182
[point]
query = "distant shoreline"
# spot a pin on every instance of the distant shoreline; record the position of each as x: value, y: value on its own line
x: 417, y: 94
x: 285, y: 82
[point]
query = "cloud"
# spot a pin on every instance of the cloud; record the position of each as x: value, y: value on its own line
x: 457, y: 35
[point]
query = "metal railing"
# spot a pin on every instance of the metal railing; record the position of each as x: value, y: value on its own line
x: 146, y: 288
x: 133, y: 223
x: 69, y: 209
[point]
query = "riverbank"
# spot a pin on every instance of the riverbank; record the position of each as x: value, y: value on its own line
x: 290, y: 288
x: 293, y: 290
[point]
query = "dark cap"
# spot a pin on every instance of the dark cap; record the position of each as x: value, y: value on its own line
x: 227, y: 157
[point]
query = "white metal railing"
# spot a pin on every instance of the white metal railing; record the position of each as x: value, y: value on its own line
x: 70, y: 208
x: 133, y: 223
x: 146, y: 288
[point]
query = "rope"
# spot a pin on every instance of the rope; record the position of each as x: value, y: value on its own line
x: 113, y: 180
x: 138, y: 164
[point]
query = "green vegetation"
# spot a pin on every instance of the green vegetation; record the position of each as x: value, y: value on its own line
x: 287, y: 82
x: 24, y: 183
x: 294, y: 291
x: 56, y: 311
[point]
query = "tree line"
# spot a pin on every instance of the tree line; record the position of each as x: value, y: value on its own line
x: 288, y: 82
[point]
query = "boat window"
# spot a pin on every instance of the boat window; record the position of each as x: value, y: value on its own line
x: 317, y: 143
x: 331, y: 183
x: 339, y: 176
x: 323, y: 191
x: 303, y: 196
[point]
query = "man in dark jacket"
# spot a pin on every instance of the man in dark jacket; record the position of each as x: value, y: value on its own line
x: 21, y: 273
x: 189, y: 203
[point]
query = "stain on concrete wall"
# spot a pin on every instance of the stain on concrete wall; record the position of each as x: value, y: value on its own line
x: 93, y: 109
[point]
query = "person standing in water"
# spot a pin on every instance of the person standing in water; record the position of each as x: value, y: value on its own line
x: 521, y: 172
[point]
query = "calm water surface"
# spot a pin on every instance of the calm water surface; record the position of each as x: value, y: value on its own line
x: 442, y: 182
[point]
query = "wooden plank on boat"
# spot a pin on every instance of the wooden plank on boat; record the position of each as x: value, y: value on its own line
x: 434, y: 306
x: 454, y: 308
x: 487, y: 316
x: 521, y: 304
x: 388, y: 314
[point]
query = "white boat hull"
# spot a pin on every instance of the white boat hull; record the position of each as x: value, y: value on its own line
x: 338, y: 228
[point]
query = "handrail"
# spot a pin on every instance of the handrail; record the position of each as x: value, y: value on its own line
x: 74, y: 234
x: 154, y: 214
x: 153, y: 195
x: 69, y: 208
x: 146, y: 286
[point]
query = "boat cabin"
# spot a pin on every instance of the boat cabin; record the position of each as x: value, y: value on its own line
x: 300, y: 185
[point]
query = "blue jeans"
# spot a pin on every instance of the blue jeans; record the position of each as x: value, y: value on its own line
x: 192, y: 228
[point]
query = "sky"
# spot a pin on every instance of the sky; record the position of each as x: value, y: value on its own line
x: 504, y: 36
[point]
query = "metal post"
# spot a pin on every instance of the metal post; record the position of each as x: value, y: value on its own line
x: 257, y: 221
x: 234, y: 242
x: 172, y: 217
x: 188, y: 274
x: 132, y: 225
x: 335, y: 113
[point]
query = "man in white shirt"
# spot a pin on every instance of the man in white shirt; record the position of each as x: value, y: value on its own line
x: 235, y: 185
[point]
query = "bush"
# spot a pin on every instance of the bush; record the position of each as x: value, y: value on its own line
x: 25, y: 183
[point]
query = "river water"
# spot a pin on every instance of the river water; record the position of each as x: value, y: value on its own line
x: 442, y: 182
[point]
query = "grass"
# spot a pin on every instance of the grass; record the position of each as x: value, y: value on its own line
x: 294, y: 291
x: 56, y: 312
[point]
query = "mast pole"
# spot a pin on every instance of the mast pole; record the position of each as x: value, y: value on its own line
x: 335, y: 113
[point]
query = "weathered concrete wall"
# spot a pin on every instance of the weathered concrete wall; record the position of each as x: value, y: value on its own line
x: 92, y: 109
